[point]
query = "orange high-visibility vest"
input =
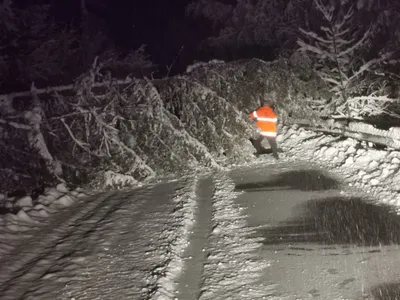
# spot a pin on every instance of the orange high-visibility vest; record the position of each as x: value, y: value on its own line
x: 266, y: 120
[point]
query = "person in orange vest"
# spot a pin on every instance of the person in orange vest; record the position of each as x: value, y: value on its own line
x: 266, y: 121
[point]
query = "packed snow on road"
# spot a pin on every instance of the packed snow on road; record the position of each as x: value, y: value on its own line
x: 321, y: 223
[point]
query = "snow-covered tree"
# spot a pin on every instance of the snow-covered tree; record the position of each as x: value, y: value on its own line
x: 262, y: 23
x: 214, y: 11
x: 35, y: 48
x: 32, y: 46
x: 269, y: 28
x: 340, y: 55
x: 37, y: 51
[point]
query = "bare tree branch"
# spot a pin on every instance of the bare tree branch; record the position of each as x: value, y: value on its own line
x: 16, y: 125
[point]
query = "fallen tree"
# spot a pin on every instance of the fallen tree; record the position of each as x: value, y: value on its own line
x: 363, y: 132
x: 109, y: 133
x: 245, y: 83
x: 115, y: 133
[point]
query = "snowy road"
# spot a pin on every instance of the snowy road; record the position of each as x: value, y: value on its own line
x: 276, y: 232
x: 106, y: 246
x: 320, y: 244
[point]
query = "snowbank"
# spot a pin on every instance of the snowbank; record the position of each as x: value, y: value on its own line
x: 23, y: 216
x: 178, y: 239
x: 231, y: 267
x: 358, y: 164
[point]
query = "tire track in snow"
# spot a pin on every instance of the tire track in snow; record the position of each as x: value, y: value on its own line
x: 232, y: 270
x: 166, y: 285
x: 61, y: 254
x: 195, y: 256
x: 136, y: 260
x: 16, y: 264
x: 29, y: 262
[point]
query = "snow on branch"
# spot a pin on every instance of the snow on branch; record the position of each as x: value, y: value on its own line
x: 327, y: 11
x: 258, y: 23
x: 36, y: 138
x: 15, y: 125
x: 81, y: 144
x: 214, y: 11
x: 371, y: 105
x: 336, y: 52
x: 5, y: 98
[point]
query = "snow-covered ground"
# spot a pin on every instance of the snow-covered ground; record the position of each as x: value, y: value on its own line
x: 138, y: 238
x: 127, y: 244
x: 319, y: 243
x: 232, y: 270
x: 32, y: 215
x: 372, y: 171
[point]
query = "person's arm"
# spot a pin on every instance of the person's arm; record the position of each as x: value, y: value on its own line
x: 253, y: 115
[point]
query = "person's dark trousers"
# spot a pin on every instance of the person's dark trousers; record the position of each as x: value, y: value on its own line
x: 257, y: 144
x: 274, y: 146
x: 272, y: 143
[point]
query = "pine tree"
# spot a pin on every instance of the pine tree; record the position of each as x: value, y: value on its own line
x: 268, y: 24
x: 32, y: 46
x: 337, y: 52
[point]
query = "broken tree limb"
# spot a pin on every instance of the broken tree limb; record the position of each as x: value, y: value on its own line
x: 16, y: 125
x: 360, y: 136
x: 61, y: 88
x: 356, y: 129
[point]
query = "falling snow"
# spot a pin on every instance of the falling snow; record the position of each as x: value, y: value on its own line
x: 75, y: 244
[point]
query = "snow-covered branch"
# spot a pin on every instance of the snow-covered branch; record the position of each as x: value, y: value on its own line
x: 336, y: 53
x: 36, y: 138
x: 15, y: 125
x: 62, y: 88
x: 79, y: 143
x: 368, y: 65
x: 248, y: 24
x: 370, y: 105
